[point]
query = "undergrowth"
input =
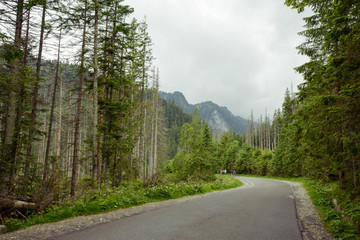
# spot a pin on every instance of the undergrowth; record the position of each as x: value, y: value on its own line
x: 127, y: 195
x: 344, y: 222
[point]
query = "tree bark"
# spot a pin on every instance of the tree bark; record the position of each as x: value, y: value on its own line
x: 78, y: 110
x: 35, y: 96
x: 157, y: 109
x: 10, y: 119
x: 95, y: 157
x: 46, y: 161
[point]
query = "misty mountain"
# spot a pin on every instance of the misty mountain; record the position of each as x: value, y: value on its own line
x: 220, y: 119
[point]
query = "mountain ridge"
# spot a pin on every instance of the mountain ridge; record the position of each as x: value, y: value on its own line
x: 219, y: 118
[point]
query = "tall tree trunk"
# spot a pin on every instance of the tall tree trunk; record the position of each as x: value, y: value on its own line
x: 69, y: 144
x: 19, y: 113
x: 143, y: 117
x: 10, y: 119
x: 152, y: 136
x: 11, y: 110
x: 35, y: 96
x: 78, y: 109
x: 26, y: 47
x: 95, y: 157
x: 59, y: 129
x: 157, y: 109
x: 46, y: 161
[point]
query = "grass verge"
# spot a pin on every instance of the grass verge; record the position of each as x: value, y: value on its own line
x: 127, y: 195
x: 342, y: 219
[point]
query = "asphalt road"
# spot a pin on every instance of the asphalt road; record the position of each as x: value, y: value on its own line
x: 260, y: 210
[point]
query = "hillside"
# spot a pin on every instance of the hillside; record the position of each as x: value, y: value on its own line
x: 219, y: 118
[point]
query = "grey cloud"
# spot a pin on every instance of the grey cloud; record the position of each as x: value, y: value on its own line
x: 236, y: 53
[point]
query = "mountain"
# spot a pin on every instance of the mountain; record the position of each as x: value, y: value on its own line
x: 220, y: 119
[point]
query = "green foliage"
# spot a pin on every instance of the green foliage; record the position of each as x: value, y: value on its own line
x: 322, y: 195
x: 10, y: 53
x: 195, y: 161
x: 320, y: 126
x: 127, y: 195
x: 175, y: 118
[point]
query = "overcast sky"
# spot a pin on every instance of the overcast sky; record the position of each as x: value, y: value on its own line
x: 237, y: 53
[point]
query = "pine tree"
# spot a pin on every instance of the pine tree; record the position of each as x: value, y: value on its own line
x: 324, y: 129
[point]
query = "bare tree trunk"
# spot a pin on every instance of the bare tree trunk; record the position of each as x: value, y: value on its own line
x: 42, y: 146
x: 95, y: 157
x: 19, y: 112
x: 10, y: 119
x: 143, y: 116
x: 142, y: 150
x: 152, y: 137
x: 70, y: 146
x: 275, y: 135
x: 35, y: 94
x: 46, y: 161
x: 11, y: 109
x: 78, y: 110
x: 261, y: 142
x: 59, y: 130
x: 157, y: 109
x: 26, y: 51
x: 268, y: 131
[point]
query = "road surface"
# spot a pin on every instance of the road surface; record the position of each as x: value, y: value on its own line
x: 261, y: 209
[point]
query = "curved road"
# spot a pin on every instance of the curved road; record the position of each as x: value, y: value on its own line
x: 260, y: 210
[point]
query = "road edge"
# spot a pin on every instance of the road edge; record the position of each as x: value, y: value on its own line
x: 54, y: 229
x: 310, y: 223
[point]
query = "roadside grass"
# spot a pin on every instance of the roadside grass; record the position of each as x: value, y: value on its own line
x: 342, y: 219
x: 127, y: 195
x: 291, y: 179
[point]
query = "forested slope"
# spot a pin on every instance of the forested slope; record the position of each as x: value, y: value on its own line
x: 220, y: 119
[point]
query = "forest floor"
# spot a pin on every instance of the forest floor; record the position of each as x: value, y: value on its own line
x: 310, y: 223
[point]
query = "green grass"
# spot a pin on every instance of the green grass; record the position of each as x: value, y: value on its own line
x: 127, y: 195
x: 321, y: 195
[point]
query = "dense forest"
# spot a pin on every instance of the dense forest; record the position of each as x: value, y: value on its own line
x: 93, y: 117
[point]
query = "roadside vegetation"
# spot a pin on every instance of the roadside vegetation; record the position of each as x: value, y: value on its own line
x: 339, y: 210
x: 128, y: 194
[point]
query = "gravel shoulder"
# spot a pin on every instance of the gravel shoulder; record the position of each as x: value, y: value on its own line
x: 310, y: 223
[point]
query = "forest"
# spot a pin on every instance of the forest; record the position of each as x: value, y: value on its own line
x: 93, y: 119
